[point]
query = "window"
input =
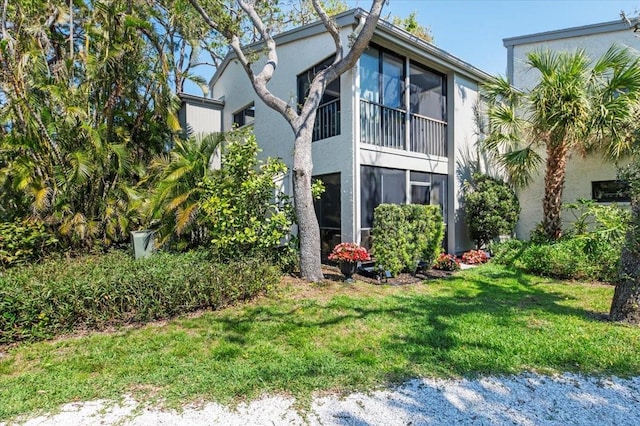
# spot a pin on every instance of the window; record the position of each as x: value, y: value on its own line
x: 427, y: 93
x: 327, y: 122
x: 379, y: 185
x: 609, y: 191
x: 328, y: 211
x: 245, y: 117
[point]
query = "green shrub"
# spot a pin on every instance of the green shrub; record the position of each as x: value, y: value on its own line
x: 390, y: 238
x: 242, y: 216
x: 507, y: 252
x: 22, y: 241
x: 491, y: 208
x: 93, y: 292
x: 404, y: 234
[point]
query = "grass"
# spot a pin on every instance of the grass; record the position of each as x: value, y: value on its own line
x: 333, y: 336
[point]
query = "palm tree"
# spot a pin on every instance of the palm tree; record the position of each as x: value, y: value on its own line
x: 578, y: 106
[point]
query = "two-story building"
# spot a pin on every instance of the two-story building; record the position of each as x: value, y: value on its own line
x: 391, y: 130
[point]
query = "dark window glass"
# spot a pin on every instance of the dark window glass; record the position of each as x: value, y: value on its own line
x: 245, y: 116
x: 327, y: 122
x: 420, y: 194
x: 609, y: 191
x: 328, y: 208
x: 392, y: 81
x: 427, y: 90
x: 379, y: 185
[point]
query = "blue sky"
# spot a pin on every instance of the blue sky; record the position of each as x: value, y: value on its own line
x: 473, y: 29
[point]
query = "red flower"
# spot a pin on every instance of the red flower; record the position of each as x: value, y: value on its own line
x: 349, y: 252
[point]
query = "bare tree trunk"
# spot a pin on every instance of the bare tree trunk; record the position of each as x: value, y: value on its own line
x: 553, y: 185
x: 308, y: 229
x: 626, y: 299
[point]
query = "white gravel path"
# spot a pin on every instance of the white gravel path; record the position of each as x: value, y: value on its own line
x: 527, y: 399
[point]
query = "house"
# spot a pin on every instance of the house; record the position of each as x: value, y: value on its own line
x: 388, y: 131
x: 590, y: 177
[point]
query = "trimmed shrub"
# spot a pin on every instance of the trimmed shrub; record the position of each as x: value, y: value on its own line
x: 491, y: 208
x: 391, y: 236
x: 22, y: 241
x: 94, y: 292
x: 404, y: 234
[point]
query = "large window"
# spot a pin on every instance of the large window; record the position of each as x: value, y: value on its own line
x: 327, y: 122
x: 377, y: 186
x: 385, y: 111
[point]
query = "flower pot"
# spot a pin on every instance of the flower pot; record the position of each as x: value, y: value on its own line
x: 348, y: 269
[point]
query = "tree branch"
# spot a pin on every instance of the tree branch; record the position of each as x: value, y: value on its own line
x: 332, y: 29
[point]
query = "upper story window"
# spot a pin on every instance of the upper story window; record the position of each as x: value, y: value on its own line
x: 245, y: 116
x: 392, y: 118
x: 327, y: 122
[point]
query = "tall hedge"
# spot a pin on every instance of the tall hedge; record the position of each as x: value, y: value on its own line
x: 404, y: 234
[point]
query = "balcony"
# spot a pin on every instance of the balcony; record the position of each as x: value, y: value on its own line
x: 327, y: 122
x: 386, y: 127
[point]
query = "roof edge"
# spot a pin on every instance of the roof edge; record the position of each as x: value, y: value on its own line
x: 602, y: 27
x: 186, y: 97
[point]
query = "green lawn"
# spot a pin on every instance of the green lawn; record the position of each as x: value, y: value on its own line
x: 333, y: 336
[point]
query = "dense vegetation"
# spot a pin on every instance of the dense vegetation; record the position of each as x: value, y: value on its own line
x: 93, y: 292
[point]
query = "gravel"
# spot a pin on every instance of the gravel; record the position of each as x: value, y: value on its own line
x: 526, y: 399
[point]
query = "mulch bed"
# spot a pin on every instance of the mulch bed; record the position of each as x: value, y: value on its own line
x: 332, y: 273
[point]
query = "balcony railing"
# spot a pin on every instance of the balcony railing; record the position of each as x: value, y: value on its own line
x: 327, y: 120
x: 385, y: 127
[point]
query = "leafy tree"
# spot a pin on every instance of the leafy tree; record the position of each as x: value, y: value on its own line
x: 411, y: 25
x: 84, y: 105
x: 491, y: 208
x: 228, y: 18
x: 578, y: 106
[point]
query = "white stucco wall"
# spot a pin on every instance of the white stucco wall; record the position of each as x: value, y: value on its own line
x: 275, y: 136
x: 465, y: 97
x: 580, y: 171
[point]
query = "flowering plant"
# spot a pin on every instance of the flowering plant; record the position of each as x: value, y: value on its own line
x: 349, y: 252
x: 447, y: 262
x: 473, y: 257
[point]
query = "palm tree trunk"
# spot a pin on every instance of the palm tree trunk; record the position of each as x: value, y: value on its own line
x: 626, y: 299
x: 553, y: 185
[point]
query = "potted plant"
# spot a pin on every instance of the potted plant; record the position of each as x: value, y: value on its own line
x: 348, y: 255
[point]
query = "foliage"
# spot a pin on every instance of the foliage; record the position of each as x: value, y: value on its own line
x: 391, y: 238
x: 22, y: 241
x: 175, y: 190
x: 349, y: 252
x: 590, y: 249
x: 84, y: 105
x: 412, y: 26
x: 474, y: 257
x: 446, y: 262
x: 491, y: 208
x: 426, y: 226
x: 578, y: 106
x: 489, y: 320
x: 94, y: 292
x: 243, y: 217
x: 404, y: 234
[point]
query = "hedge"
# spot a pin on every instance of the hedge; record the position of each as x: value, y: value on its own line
x: 94, y: 292
x: 404, y: 234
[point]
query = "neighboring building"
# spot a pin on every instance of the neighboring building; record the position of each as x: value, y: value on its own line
x: 590, y: 177
x: 390, y: 130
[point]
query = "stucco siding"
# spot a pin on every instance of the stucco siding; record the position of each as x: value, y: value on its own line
x: 465, y: 98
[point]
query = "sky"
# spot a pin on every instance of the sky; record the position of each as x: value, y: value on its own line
x: 473, y: 30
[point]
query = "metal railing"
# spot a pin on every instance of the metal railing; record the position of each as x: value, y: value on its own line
x: 327, y: 122
x: 385, y: 127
